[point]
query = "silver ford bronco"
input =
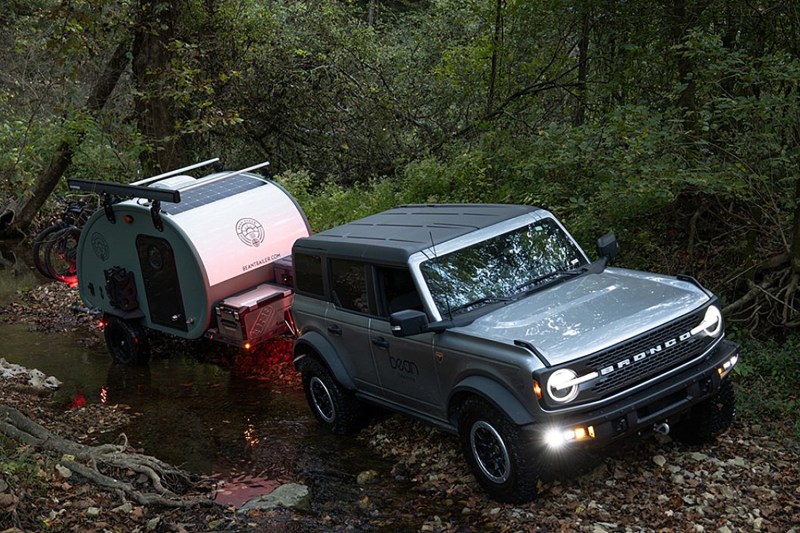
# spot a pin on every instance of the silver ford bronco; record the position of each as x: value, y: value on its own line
x: 490, y: 322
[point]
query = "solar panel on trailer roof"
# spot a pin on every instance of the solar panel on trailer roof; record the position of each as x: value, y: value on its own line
x: 211, y: 192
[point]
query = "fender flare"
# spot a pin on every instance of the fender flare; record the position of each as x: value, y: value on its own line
x: 496, y: 394
x: 316, y: 343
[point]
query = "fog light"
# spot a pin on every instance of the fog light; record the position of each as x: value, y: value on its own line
x: 727, y: 366
x: 555, y: 438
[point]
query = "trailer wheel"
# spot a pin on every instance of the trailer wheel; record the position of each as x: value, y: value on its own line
x: 502, y: 459
x: 708, y: 418
x: 126, y: 341
x: 333, y: 406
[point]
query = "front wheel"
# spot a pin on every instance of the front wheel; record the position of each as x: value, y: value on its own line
x: 126, y: 341
x: 708, y: 418
x: 333, y: 406
x: 504, y: 461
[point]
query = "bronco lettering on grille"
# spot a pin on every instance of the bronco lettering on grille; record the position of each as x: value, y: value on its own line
x: 643, y: 355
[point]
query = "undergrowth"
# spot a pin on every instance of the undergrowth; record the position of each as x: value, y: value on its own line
x: 768, y: 390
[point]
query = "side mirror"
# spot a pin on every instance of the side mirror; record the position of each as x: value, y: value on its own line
x: 607, y: 247
x: 408, y: 322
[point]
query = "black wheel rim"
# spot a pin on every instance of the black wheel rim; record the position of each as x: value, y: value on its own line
x: 490, y: 452
x: 119, y: 344
x: 323, y: 403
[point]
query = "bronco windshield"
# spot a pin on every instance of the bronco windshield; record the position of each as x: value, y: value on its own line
x: 500, y: 268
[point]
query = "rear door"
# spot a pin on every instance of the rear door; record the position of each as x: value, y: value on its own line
x: 348, y: 320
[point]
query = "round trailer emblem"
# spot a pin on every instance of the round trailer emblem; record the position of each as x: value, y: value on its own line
x: 100, y: 246
x: 250, y: 231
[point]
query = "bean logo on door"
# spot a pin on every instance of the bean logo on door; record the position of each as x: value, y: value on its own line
x: 250, y: 231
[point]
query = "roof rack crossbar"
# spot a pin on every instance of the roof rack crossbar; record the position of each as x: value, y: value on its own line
x: 174, y: 172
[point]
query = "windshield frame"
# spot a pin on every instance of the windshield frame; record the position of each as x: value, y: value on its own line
x: 470, y: 239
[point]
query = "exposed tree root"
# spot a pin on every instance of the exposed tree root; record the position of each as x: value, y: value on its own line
x: 98, y: 464
x: 772, y: 301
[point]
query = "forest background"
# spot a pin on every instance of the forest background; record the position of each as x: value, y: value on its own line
x: 674, y: 123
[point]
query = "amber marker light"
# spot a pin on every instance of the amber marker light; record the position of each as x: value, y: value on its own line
x: 246, y: 346
x: 537, y: 389
x: 128, y: 219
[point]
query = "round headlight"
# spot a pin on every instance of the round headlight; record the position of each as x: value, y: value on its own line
x: 712, y: 321
x: 556, y: 388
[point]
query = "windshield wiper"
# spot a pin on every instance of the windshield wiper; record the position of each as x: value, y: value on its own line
x: 478, y: 301
x: 539, y: 282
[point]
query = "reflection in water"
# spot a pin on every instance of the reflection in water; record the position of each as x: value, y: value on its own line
x: 244, y: 433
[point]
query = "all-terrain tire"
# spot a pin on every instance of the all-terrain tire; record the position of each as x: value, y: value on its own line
x: 708, y: 418
x: 333, y: 405
x: 126, y: 341
x: 502, y: 458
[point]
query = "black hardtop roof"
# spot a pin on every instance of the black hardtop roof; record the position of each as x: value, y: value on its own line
x: 392, y: 236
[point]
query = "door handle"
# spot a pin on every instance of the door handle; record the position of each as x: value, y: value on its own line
x: 380, y: 342
x: 334, y: 329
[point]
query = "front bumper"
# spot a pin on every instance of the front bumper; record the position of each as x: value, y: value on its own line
x: 665, y: 401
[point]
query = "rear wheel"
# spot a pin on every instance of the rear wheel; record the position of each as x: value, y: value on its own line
x: 501, y: 457
x: 126, y: 341
x: 708, y: 418
x: 333, y: 406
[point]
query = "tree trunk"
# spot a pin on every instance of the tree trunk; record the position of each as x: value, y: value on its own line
x: 583, y: 63
x: 496, y: 43
x: 151, y: 65
x: 17, y: 218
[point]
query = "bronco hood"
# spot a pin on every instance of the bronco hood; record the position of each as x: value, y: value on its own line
x: 586, y: 314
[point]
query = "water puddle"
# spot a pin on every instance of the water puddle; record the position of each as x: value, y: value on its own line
x: 248, y: 434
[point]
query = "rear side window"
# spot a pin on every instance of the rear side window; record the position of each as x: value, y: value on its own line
x: 308, y: 274
x: 349, y: 285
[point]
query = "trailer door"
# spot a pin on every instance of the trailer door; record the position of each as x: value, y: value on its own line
x: 161, y: 284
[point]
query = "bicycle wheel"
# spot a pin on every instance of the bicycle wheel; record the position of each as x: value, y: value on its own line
x: 40, y: 247
x: 61, y: 254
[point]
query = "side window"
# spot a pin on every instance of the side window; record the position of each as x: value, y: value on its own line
x: 308, y: 278
x: 349, y: 285
x: 397, y: 290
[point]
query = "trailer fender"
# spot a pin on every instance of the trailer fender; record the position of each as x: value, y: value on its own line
x: 311, y: 344
x: 494, y: 393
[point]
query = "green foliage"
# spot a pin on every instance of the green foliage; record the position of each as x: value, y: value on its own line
x: 768, y: 387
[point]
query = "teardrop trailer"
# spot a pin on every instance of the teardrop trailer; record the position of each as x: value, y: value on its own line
x: 192, y: 257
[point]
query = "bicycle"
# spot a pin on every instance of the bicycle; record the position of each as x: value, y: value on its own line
x: 55, y: 247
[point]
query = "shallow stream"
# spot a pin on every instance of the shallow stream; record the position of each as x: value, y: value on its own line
x: 247, y: 435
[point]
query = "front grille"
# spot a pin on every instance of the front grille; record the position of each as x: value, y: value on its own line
x: 653, y: 363
x: 658, y: 359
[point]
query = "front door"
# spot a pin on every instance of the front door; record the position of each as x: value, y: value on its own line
x: 406, y: 366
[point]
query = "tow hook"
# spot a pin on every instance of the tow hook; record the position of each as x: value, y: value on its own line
x: 662, y: 428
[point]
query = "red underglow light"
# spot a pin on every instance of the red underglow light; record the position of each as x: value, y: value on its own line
x: 101, y: 324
